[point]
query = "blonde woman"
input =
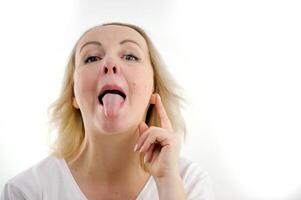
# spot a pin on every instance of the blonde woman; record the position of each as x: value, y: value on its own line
x: 119, y: 127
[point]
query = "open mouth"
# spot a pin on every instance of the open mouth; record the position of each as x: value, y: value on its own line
x: 100, y: 97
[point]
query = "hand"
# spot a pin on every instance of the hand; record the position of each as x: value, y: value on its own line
x: 161, y: 145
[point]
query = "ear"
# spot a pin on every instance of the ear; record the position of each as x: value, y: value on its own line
x: 74, y: 103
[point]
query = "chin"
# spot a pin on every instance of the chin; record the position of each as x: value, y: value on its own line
x: 121, y: 123
x: 115, y: 128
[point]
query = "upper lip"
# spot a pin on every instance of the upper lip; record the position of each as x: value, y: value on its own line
x: 111, y: 87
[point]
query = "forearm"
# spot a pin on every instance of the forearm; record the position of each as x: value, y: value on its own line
x: 171, y: 188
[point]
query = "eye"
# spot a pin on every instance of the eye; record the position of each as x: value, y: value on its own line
x: 91, y: 59
x: 131, y: 57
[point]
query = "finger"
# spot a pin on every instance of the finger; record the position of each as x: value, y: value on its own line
x: 148, y: 156
x: 155, y: 137
x: 144, y: 136
x: 165, y: 122
x: 156, y: 151
x: 153, y: 99
x: 142, y: 127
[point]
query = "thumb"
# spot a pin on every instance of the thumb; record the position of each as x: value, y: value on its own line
x: 142, y: 127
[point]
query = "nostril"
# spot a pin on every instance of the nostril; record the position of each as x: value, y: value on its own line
x: 114, y: 69
x: 106, y: 70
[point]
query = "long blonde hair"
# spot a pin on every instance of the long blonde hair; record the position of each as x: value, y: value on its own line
x: 68, y: 122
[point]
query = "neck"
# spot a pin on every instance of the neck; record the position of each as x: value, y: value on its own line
x: 108, y: 159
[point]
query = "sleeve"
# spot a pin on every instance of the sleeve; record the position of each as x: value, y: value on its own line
x: 198, y: 184
x: 10, y: 192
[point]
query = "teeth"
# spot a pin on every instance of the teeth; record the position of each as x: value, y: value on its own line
x: 110, y: 91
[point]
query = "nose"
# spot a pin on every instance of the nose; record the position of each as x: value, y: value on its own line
x: 110, y: 69
x: 110, y: 66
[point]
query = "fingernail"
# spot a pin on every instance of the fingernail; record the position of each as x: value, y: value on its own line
x: 135, y: 148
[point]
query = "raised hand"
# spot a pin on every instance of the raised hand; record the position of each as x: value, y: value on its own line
x: 160, y: 145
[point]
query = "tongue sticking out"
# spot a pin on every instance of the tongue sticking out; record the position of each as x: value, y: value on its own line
x: 112, y: 104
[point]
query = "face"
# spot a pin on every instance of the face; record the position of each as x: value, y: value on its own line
x: 113, y: 59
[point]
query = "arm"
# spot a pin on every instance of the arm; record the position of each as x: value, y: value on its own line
x: 171, y: 188
x: 161, y: 148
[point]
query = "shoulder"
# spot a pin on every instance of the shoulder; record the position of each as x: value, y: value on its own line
x: 28, y: 183
x: 196, y: 180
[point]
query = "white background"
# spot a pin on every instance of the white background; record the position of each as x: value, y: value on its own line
x: 239, y: 62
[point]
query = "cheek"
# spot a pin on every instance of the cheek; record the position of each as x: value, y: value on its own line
x: 137, y: 88
x: 142, y: 88
x: 142, y: 82
x: 84, y: 83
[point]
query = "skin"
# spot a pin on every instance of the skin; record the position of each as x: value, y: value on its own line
x: 106, y: 165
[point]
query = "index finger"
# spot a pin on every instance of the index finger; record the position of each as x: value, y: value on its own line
x: 165, y: 122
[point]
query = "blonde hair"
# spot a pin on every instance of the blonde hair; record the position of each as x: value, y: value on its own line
x: 68, y: 121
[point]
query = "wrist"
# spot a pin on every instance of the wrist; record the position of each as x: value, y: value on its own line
x: 171, y: 187
x: 168, y: 179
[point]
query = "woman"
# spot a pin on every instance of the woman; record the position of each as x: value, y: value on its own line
x: 119, y: 124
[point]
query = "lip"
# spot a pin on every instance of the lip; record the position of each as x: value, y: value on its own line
x: 111, y: 87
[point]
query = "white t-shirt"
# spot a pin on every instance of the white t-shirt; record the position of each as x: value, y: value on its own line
x: 51, y: 179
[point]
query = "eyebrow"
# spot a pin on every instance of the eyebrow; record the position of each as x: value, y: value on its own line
x: 99, y: 44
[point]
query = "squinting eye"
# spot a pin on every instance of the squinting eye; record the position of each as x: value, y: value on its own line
x: 131, y: 57
x: 93, y: 58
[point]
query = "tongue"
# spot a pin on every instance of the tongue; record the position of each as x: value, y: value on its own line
x: 112, y: 104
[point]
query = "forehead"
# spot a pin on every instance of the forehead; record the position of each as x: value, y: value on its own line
x: 112, y: 34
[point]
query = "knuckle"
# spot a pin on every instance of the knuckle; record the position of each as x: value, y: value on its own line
x: 152, y: 127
